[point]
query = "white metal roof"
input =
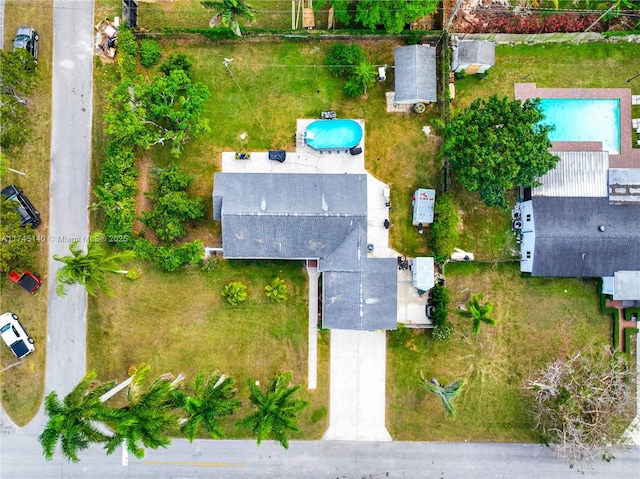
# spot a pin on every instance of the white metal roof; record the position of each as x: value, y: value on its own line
x: 577, y: 174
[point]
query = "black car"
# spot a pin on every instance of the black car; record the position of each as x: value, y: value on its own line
x: 27, y: 38
x: 28, y: 214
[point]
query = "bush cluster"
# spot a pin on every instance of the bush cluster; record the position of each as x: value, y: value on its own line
x: 169, y: 258
x: 444, y: 230
x: 342, y: 59
x: 443, y: 329
x: 119, y: 175
x: 512, y: 23
x: 172, y: 205
x: 149, y: 52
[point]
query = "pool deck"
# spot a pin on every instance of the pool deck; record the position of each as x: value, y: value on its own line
x: 629, y: 157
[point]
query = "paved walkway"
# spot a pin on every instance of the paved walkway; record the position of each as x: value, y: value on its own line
x: 312, y: 367
x: 357, y: 387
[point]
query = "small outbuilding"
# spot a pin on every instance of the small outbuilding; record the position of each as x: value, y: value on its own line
x: 423, y: 203
x: 423, y: 270
x: 473, y: 56
x: 415, y: 75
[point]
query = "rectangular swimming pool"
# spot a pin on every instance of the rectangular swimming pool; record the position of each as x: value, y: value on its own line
x: 577, y: 119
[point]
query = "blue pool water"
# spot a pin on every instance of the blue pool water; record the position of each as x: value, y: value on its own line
x: 333, y: 134
x: 577, y: 119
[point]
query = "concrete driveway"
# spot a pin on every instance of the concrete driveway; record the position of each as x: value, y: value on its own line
x: 357, y: 386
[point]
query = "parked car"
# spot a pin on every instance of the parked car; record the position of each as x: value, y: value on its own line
x: 14, y: 335
x: 28, y: 214
x: 29, y: 281
x: 27, y: 38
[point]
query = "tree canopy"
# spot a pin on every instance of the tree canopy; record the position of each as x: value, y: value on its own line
x: 276, y: 409
x: 393, y: 15
x: 89, y: 268
x: 495, y: 145
x: 230, y: 11
x: 584, y: 403
x: 18, y: 244
x: 17, y: 79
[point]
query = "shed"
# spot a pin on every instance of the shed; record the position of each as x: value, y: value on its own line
x: 473, y: 56
x: 423, y: 202
x: 423, y: 273
x: 415, y: 74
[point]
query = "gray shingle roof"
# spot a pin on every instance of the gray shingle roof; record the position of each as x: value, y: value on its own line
x: 474, y: 51
x: 287, y: 216
x: 415, y: 74
x: 568, y: 241
x: 300, y: 216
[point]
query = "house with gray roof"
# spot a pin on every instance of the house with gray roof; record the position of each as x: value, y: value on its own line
x: 319, y: 217
x: 415, y: 74
x: 583, y: 221
x: 472, y: 56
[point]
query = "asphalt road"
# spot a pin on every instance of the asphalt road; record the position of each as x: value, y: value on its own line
x: 312, y: 460
x: 69, y: 196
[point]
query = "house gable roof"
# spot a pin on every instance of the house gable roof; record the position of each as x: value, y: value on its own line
x: 415, y: 74
x: 287, y: 216
x: 569, y: 241
x: 302, y: 216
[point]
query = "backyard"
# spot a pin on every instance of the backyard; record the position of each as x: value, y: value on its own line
x: 178, y: 322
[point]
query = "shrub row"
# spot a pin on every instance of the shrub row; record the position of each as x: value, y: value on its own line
x: 627, y: 339
x: 444, y: 230
x: 512, y: 23
x: 118, y: 185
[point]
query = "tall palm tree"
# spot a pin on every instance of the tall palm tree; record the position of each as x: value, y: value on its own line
x: 446, y: 393
x: 147, y: 418
x: 478, y: 312
x: 276, y: 409
x: 71, y: 420
x: 90, y: 268
x: 230, y: 11
x: 212, y: 400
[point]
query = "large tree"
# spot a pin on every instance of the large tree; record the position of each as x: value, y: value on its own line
x: 90, y: 268
x: 17, y: 79
x: 584, y: 403
x: 276, y: 409
x: 147, y: 418
x: 393, y: 15
x: 72, y: 422
x: 213, y: 399
x: 495, y: 145
x: 18, y: 244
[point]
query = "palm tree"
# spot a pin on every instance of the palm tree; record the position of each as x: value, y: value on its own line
x: 147, y: 418
x: 71, y: 420
x: 89, y: 268
x: 365, y: 75
x: 446, y: 393
x: 212, y: 400
x: 276, y: 409
x: 478, y: 312
x: 230, y: 11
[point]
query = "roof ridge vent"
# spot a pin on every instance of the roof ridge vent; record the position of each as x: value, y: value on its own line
x: 263, y: 204
x: 325, y: 206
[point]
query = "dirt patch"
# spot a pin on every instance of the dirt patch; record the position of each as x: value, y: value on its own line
x: 145, y: 165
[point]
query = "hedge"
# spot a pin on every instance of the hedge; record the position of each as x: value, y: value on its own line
x: 627, y: 339
x: 444, y: 230
x: 629, y: 311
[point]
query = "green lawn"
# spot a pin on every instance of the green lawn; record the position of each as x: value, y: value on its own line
x: 539, y: 320
x: 180, y: 323
x: 23, y: 384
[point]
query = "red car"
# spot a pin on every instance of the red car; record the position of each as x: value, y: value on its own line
x: 31, y: 282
